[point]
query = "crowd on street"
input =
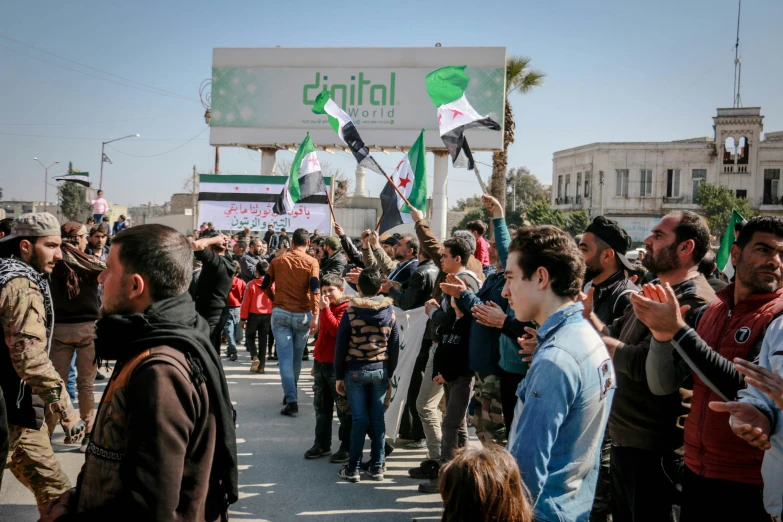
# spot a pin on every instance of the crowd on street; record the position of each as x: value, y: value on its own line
x: 600, y: 388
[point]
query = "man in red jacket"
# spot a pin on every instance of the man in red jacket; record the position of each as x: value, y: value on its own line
x: 332, y: 304
x: 719, y: 464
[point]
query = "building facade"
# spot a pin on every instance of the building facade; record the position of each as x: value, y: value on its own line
x: 638, y: 183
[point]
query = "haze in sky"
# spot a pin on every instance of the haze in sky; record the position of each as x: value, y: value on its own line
x: 616, y: 71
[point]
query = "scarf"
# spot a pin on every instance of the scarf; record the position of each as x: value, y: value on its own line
x: 77, y: 266
x: 174, y: 322
x: 12, y: 268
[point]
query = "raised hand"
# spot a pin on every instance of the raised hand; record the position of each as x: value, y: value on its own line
x: 492, y: 205
x: 338, y: 230
x: 416, y: 214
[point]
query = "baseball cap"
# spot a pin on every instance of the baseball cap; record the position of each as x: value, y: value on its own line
x: 34, y: 224
x: 611, y: 233
x: 392, y: 240
x: 332, y: 242
x: 73, y: 229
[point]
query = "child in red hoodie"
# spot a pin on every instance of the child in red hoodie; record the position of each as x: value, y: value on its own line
x: 332, y: 304
x: 256, y: 315
x: 233, y: 303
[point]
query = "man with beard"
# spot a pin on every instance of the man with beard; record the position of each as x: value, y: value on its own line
x: 734, y: 326
x: 248, y: 261
x: 164, y: 443
x: 642, y: 425
x: 29, y: 381
x: 603, y: 246
x: 406, y: 253
x: 334, y: 261
x: 214, y: 284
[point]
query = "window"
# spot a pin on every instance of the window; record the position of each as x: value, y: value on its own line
x: 673, y: 183
x: 578, y: 185
x: 742, y: 194
x: 771, y: 182
x: 567, y: 187
x: 621, y: 190
x: 559, y: 187
x: 645, y: 187
x: 698, y: 177
x: 588, y: 181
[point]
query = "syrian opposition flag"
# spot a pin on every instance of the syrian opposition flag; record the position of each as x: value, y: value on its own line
x: 304, y: 180
x: 723, y: 259
x: 344, y: 127
x: 411, y: 178
x: 446, y: 88
x: 82, y: 178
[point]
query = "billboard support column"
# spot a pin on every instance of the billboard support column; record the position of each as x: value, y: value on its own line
x: 268, y: 161
x: 440, y: 201
x: 360, y: 172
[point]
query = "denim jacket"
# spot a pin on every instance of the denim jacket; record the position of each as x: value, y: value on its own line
x: 561, y: 416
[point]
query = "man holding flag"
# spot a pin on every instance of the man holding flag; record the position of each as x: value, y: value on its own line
x: 723, y: 259
x: 410, y: 177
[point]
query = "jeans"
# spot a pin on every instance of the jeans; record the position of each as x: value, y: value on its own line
x: 324, y: 398
x: 427, y: 402
x: 455, y: 425
x: 70, y: 383
x: 232, y: 328
x: 366, y: 392
x: 259, y: 325
x: 98, y: 218
x: 291, y: 330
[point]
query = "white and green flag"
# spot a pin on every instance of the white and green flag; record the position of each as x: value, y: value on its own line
x: 346, y: 130
x: 446, y: 88
x: 82, y: 178
x: 723, y: 259
x: 410, y: 177
x: 304, y: 180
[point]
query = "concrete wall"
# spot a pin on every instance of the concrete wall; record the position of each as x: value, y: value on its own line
x: 179, y: 222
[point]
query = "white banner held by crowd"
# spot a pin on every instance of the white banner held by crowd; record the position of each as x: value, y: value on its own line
x: 411, y: 325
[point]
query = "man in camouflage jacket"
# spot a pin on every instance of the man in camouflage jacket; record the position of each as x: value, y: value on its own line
x: 29, y: 381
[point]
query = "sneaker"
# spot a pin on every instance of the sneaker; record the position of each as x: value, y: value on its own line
x: 305, y: 357
x: 419, y: 444
x: 427, y: 470
x: 85, y: 443
x: 376, y: 473
x: 99, y: 376
x: 351, y: 475
x: 232, y: 357
x: 272, y: 357
x: 290, y: 409
x: 315, y: 453
x: 365, y: 466
x: 341, y: 456
x: 254, y: 366
x: 431, y: 486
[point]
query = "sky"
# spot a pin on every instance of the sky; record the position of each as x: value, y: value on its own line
x: 616, y: 71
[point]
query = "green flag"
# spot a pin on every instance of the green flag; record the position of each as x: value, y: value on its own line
x: 723, y: 259
x: 304, y: 180
x: 410, y: 177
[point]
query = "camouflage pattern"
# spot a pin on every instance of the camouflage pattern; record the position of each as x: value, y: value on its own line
x: 23, y: 320
x: 32, y: 461
x: 488, y: 413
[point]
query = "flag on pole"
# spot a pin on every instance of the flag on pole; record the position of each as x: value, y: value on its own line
x: 411, y: 178
x: 723, y: 259
x: 344, y: 127
x: 304, y: 180
x: 446, y: 88
x: 82, y: 178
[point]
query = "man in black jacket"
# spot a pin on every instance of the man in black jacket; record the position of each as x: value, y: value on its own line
x: 214, y: 284
x: 418, y: 289
x: 334, y: 261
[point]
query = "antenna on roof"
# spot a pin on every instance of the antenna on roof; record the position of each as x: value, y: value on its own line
x: 737, y: 63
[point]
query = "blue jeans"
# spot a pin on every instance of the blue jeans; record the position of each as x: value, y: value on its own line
x: 291, y: 330
x: 71, y: 386
x: 232, y: 328
x: 98, y: 218
x: 366, y: 391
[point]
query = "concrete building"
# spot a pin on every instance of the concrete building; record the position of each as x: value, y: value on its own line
x: 637, y: 183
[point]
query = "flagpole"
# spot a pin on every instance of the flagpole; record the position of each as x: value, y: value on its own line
x: 399, y: 192
x: 331, y: 208
x: 378, y: 225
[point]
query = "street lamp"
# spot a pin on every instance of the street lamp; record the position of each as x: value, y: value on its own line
x: 105, y: 158
x: 46, y: 181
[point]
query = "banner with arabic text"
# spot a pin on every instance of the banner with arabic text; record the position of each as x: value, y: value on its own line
x: 233, y: 202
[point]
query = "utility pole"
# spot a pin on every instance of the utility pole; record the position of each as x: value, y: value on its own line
x: 195, y: 200
x: 46, y: 182
x: 514, y: 197
x: 737, y: 63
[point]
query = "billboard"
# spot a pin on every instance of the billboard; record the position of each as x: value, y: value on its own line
x: 265, y: 96
x: 233, y: 202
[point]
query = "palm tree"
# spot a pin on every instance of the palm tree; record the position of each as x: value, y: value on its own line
x: 521, y: 78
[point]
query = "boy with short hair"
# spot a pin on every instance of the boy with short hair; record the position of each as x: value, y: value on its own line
x: 332, y: 304
x: 364, y: 361
x: 565, y: 398
x: 256, y: 318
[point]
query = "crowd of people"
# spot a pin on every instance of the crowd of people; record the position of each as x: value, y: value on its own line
x: 600, y: 388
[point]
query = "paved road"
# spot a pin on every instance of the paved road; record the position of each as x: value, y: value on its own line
x: 276, y: 483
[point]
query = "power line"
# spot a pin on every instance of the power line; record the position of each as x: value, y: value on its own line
x: 81, y: 138
x: 151, y: 90
x: 91, y: 122
x: 162, y: 153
